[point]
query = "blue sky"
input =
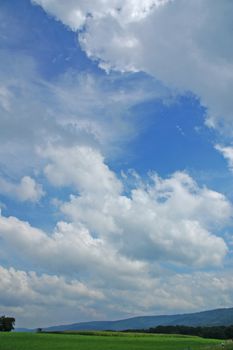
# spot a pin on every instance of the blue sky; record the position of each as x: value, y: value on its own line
x: 116, y: 158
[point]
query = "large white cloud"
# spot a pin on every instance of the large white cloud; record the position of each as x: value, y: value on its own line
x: 160, y: 220
x: 74, y: 13
x: 185, y: 44
x: 167, y: 219
x: 116, y: 241
x: 71, y: 249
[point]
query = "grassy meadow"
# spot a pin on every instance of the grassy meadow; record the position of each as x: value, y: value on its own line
x: 105, y: 341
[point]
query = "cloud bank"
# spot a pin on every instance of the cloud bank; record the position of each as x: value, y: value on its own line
x: 116, y: 239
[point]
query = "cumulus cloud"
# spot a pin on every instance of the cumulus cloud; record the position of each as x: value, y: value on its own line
x: 116, y: 241
x: 71, y: 249
x: 160, y: 220
x: 23, y: 287
x: 28, y: 290
x: 81, y: 167
x: 174, y: 210
x: 75, y: 13
x: 185, y: 44
x: 27, y: 190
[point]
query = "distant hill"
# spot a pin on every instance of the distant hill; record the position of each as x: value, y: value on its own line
x: 218, y: 317
x: 23, y: 330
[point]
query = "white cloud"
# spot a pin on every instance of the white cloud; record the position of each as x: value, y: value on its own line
x: 72, y: 109
x: 227, y: 153
x: 55, y: 299
x: 162, y: 220
x: 185, y: 44
x: 178, y: 292
x: 71, y: 249
x: 27, y: 190
x: 23, y: 287
x: 28, y: 290
x: 74, y: 13
x: 109, y: 252
x: 116, y: 245
x: 82, y: 167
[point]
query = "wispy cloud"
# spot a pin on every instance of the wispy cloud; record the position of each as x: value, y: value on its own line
x: 185, y: 44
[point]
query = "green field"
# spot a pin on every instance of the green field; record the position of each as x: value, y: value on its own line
x: 104, y: 341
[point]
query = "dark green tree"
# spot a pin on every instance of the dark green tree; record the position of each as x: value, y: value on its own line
x: 6, y: 324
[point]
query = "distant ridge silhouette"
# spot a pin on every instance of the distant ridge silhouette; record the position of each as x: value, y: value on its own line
x: 217, y: 317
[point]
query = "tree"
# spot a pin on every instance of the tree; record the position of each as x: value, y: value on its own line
x: 6, y: 324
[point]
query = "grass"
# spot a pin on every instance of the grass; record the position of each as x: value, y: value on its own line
x: 104, y: 341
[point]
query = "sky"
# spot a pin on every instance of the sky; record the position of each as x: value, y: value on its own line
x: 116, y: 158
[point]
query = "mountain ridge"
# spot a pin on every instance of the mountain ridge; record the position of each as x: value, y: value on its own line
x: 216, y: 317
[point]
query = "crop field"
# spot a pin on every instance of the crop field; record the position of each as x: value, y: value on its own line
x: 105, y: 341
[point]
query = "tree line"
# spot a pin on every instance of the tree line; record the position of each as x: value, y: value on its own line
x: 6, y: 323
x: 214, y: 332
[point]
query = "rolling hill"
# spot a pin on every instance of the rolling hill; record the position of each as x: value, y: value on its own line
x: 218, y: 317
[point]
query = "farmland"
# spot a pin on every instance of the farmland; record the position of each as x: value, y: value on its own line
x: 104, y: 341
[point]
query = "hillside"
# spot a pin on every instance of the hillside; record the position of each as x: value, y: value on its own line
x: 216, y: 317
